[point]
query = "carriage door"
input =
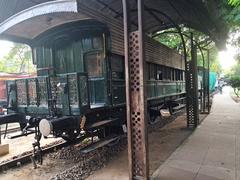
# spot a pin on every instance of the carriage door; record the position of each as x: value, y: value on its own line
x: 95, y: 67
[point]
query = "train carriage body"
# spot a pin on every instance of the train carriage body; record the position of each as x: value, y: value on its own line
x: 80, y: 83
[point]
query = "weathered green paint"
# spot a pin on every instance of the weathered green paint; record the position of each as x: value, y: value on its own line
x: 77, y: 69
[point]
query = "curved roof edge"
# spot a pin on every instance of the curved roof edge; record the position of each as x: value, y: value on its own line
x: 40, y: 9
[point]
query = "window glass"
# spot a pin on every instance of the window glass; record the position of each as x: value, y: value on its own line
x: 152, y: 71
x: 94, y: 64
x: 182, y: 75
x: 97, y: 43
x: 168, y: 73
x: 173, y: 74
x: 159, y: 73
x: 117, y: 66
x: 87, y: 44
x: 178, y: 75
x: 147, y: 71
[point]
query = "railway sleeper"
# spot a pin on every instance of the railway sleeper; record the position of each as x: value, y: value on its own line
x: 100, y: 143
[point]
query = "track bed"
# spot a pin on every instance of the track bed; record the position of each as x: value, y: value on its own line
x: 107, y: 162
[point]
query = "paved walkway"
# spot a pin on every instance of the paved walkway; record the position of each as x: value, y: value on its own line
x: 212, y: 152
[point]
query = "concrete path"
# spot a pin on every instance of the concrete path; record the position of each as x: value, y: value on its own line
x: 212, y: 152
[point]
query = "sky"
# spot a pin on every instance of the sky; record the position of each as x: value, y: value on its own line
x: 226, y: 57
x: 5, y: 47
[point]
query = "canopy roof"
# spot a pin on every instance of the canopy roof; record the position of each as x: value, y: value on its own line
x: 24, y: 20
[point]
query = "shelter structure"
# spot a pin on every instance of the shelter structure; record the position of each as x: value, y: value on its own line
x: 130, y: 20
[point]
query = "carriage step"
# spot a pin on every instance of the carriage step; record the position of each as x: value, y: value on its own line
x: 180, y: 106
x: 100, y: 143
x: 101, y: 123
x: 180, y: 99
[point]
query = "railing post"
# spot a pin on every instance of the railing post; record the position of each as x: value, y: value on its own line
x: 135, y: 95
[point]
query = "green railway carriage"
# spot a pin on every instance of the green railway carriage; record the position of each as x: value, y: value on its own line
x: 80, y: 80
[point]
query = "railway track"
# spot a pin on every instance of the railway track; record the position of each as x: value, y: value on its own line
x: 11, y: 130
x: 26, y: 157
x: 86, y: 147
x: 78, y: 150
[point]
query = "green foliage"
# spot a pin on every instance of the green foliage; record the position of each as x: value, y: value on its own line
x: 235, y: 83
x: 172, y: 39
x: 230, y: 11
x: 234, y: 2
x: 18, y: 60
x: 236, y: 70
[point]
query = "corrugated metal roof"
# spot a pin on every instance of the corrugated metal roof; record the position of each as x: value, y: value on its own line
x: 10, y: 7
x: 201, y: 15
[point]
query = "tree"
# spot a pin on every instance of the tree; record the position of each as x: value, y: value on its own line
x: 230, y: 11
x: 235, y: 83
x: 234, y: 2
x: 172, y: 39
x: 18, y: 60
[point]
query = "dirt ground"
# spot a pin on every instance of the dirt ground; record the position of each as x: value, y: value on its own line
x: 162, y: 142
x: 46, y: 171
x: 22, y: 144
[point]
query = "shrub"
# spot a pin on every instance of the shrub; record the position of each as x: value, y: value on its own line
x: 235, y: 83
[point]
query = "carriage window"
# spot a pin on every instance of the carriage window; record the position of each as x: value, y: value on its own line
x: 182, y: 73
x: 177, y: 78
x: 168, y: 73
x: 147, y: 71
x: 117, y: 66
x: 173, y: 74
x: 97, y: 43
x: 87, y: 44
x: 159, y: 73
x: 152, y: 71
x: 94, y: 64
x: 179, y: 75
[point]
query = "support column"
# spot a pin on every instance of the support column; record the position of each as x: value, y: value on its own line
x: 204, y: 86
x: 192, y: 88
x: 208, y: 86
x: 135, y: 95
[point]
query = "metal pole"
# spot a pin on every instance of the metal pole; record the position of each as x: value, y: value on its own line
x: 194, y: 82
x: 127, y: 82
x: 204, y: 86
x: 208, y: 86
x: 135, y: 95
x: 192, y: 88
